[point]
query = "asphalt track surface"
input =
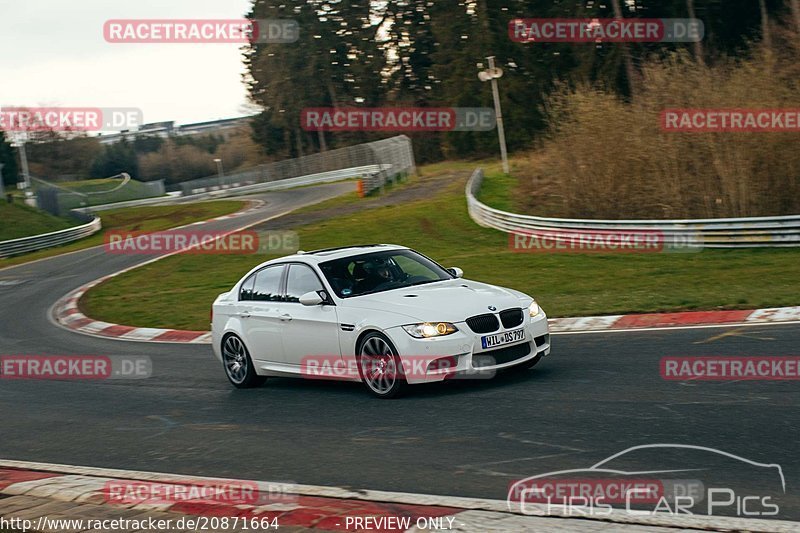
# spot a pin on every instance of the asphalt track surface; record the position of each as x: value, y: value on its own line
x: 597, y: 394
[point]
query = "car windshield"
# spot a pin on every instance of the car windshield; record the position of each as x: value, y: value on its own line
x: 381, y: 271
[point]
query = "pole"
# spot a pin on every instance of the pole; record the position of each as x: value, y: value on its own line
x: 2, y: 189
x: 626, y: 54
x: 23, y: 158
x: 499, y: 115
x: 218, y: 161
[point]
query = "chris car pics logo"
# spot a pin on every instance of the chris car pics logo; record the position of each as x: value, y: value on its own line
x: 656, y: 479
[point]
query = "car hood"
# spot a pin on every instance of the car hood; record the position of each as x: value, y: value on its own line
x: 444, y: 301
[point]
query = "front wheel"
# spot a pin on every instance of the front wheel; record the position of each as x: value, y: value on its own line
x: 238, y: 366
x: 380, y: 367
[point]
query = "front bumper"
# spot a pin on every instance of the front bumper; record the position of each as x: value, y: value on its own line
x: 461, y: 354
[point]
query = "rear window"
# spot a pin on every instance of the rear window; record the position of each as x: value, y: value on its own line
x: 264, y: 285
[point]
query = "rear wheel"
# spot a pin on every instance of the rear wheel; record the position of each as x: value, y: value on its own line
x: 238, y: 366
x: 380, y: 367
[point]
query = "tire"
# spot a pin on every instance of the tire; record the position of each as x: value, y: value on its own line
x: 379, y: 366
x: 532, y: 363
x: 238, y: 366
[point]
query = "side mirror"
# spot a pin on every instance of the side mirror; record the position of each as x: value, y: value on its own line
x: 457, y: 272
x: 311, y: 298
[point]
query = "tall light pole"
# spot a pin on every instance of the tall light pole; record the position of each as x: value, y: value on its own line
x: 492, y: 74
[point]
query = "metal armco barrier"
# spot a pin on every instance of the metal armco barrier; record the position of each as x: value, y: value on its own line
x: 394, y: 156
x: 288, y: 183
x: 58, y: 200
x: 376, y: 163
x: 47, y: 240
x: 240, y: 189
x: 747, y: 232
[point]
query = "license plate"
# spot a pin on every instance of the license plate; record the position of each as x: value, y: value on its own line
x: 499, y: 339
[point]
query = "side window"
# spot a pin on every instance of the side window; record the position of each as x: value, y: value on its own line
x: 246, y: 292
x: 267, y: 286
x: 301, y: 280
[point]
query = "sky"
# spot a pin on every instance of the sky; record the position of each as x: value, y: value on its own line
x: 54, y: 54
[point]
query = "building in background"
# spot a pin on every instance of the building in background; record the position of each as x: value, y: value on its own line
x: 223, y: 127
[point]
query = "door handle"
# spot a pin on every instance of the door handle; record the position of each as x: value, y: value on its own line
x: 244, y: 315
x: 286, y: 317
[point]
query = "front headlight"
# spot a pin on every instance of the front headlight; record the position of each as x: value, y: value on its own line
x: 430, y: 329
x: 534, y: 309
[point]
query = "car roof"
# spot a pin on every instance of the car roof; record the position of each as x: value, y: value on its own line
x: 328, y: 254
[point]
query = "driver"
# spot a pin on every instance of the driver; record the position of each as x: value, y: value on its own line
x: 378, y: 273
x: 384, y: 274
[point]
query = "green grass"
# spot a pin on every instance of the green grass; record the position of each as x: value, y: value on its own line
x: 102, y: 192
x: 94, y: 185
x: 150, y: 218
x: 19, y: 220
x: 439, y: 226
x: 100, y: 185
x: 497, y: 191
x: 432, y: 170
x: 352, y: 197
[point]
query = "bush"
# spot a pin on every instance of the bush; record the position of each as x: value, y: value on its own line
x: 177, y: 163
x: 608, y: 158
x: 181, y: 158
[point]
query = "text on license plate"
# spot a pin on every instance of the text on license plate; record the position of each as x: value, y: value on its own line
x: 499, y: 339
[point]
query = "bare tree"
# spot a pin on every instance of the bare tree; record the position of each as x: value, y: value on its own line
x: 765, y: 24
x: 795, y: 5
x: 698, y: 45
x: 626, y: 55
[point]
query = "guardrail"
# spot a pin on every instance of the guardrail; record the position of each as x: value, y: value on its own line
x: 395, y: 154
x: 236, y: 189
x: 47, y: 240
x: 57, y: 238
x: 747, y: 232
x: 287, y: 183
x: 58, y: 200
x: 373, y: 175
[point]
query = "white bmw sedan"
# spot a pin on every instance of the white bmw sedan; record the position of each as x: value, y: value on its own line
x: 381, y: 314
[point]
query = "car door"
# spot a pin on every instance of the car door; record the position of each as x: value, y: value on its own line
x: 308, y: 331
x: 259, y: 303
